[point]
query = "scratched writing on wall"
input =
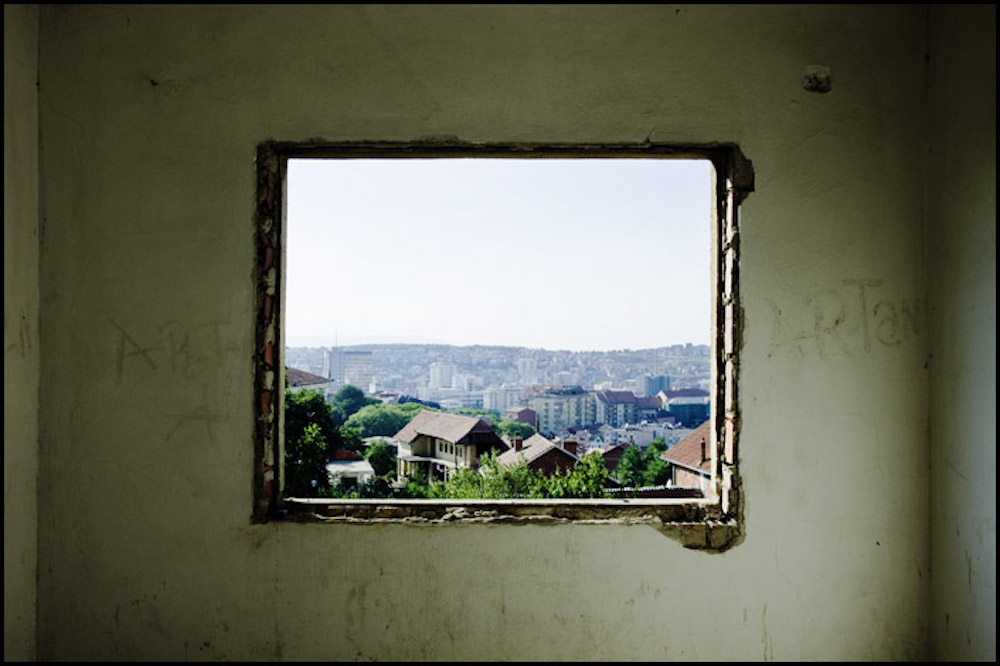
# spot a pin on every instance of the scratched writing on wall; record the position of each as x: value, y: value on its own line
x: 855, y: 316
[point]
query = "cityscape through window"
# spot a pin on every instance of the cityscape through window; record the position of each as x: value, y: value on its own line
x: 498, y: 328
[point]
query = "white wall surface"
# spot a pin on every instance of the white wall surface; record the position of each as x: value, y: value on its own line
x: 150, y: 117
x: 20, y: 329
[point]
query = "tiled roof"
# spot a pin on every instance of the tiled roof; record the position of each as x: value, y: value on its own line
x: 685, y: 393
x: 449, y: 427
x: 537, y: 439
x: 345, y: 454
x: 510, y: 456
x: 688, y: 452
x: 648, y: 402
x: 298, y: 377
x: 350, y: 467
x: 615, y: 397
x: 532, y: 452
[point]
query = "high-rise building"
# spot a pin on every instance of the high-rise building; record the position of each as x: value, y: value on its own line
x: 653, y: 385
x: 348, y: 367
x: 358, y: 369
x: 441, y: 375
x: 528, y: 369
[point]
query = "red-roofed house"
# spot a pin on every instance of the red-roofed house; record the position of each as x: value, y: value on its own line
x: 437, y: 443
x: 612, y: 455
x: 541, y: 454
x: 691, y: 459
x: 349, y: 466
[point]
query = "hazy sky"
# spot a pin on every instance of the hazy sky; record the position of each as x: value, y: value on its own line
x: 580, y: 254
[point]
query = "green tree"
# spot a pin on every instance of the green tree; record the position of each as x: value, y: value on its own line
x: 465, y: 483
x: 305, y: 407
x: 657, y: 473
x: 657, y: 470
x: 311, y: 437
x: 587, y: 479
x: 494, y: 480
x: 382, y: 458
x: 383, y: 419
x: 630, y: 467
x: 347, y: 400
x: 305, y: 464
x: 511, y: 428
x: 416, y: 487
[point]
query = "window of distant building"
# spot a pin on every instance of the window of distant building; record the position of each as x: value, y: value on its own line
x: 703, y: 517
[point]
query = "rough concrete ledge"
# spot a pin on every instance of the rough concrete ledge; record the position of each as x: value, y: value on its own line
x: 695, y: 525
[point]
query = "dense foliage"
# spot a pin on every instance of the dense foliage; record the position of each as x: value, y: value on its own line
x: 311, y: 437
x: 643, y: 467
x: 382, y: 458
x: 498, y: 481
x: 347, y: 400
x: 383, y: 419
x: 510, y: 428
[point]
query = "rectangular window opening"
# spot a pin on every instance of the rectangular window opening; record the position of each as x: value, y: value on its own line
x: 499, y: 333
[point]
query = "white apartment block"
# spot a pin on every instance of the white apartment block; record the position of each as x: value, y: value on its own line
x: 441, y: 375
x: 561, y: 407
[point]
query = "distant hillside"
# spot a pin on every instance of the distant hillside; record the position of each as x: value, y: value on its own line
x: 404, y: 366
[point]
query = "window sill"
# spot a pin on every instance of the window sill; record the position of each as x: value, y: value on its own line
x: 695, y: 523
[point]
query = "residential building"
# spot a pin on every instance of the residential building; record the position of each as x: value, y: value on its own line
x: 561, y: 407
x: 542, y: 455
x: 437, y: 443
x: 691, y: 459
x: 648, y: 408
x: 501, y: 398
x: 300, y: 380
x: 349, y: 468
x: 641, y: 434
x: 612, y: 455
x: 615, y: 408
x: 689, y: 411
x: 521, y: 415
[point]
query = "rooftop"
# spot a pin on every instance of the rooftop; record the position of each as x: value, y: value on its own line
x: 694, y: 451
x: 449, y: 427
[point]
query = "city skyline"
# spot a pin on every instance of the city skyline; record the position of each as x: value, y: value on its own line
x: 576, y: 254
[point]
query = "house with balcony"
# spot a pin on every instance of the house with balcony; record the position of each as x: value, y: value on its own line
x: 435, y: 444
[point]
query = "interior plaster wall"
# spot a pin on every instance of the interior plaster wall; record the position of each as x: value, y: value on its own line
x: 150, y: 117
x: 20, y: 329
x: 962, y: 262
